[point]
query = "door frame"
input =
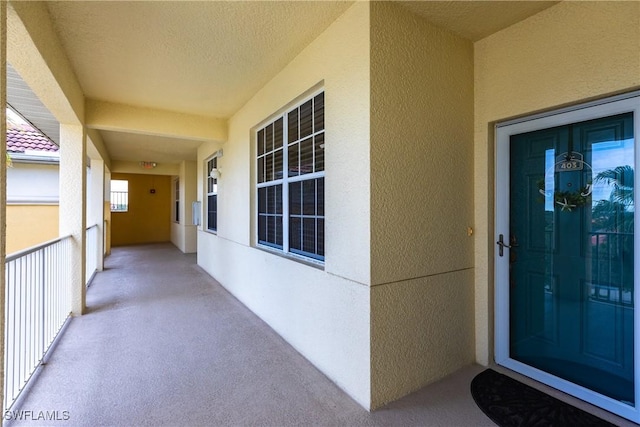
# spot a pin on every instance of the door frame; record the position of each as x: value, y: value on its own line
x: 625, y: 103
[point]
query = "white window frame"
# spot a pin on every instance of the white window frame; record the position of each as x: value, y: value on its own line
x: 285, y: 180
x: 176, y: 200
x: 593, y: 110
x: 210, y: 189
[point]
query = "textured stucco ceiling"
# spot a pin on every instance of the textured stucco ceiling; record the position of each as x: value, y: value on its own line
x: 139, y: 147
x: 205, y: 58
x: 477, y: 19
x: 209, y: 58
x: 200, y: 58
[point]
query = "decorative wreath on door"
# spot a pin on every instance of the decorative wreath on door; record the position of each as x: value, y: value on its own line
x: 568, y: 199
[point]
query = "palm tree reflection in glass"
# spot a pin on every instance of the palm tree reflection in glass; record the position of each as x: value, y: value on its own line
x: 612, y: 236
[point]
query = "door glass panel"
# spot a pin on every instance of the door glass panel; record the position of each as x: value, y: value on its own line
x: 571, y: 266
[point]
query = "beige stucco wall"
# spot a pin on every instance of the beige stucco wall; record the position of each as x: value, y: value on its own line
x: 95, y: 206
x: 117, y: 117
x: 34, y: 51
x: 107, y: 228
x: 324, y: 314
x: 72, y: 207
x: 188, y: 190
x: 421, y: 202
x: 571, y: 52
x: 177, y: 229
x: 30, y: 225
x: 120, y: 166
x: 184, y: 233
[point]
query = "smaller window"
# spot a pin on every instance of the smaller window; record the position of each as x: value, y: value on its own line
x: 176, y: 200
x: 212, y: 194
x: 119, y: 195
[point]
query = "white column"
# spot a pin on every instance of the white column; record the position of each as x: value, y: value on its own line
x: 3, y: 180
x: 73, y: 217
x: 97, y: 207
x: 107, y: 211
x: 189, y: 191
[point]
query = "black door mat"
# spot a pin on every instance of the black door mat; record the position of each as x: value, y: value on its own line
x: 511, y: 403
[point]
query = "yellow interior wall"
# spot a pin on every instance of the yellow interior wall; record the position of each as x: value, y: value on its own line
x: 30, y: 225
x: 421, y: 202
x: 569, y: 53
x: 148, y: 219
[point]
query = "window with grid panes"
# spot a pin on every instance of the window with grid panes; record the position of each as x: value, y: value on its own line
x: 212, y: 196
x: 290, y: 172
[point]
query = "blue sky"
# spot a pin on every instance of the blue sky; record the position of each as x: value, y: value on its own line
x: 605, y: 155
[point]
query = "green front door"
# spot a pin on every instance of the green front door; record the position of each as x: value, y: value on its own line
x: 571, y: 262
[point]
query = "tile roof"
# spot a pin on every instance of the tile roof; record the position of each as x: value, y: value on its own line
x: 21, y: 138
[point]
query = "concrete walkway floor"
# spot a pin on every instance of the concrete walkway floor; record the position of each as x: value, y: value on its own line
x: 164, y: 344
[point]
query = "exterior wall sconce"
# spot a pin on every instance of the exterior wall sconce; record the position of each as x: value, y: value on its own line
x: 215, y: 173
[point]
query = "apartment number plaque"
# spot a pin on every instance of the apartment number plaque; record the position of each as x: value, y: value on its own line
x: 569, y: 162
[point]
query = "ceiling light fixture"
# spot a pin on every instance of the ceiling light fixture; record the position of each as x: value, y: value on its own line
x: 148, y: 165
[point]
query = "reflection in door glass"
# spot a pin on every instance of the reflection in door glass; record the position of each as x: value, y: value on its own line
x: 571, y: 273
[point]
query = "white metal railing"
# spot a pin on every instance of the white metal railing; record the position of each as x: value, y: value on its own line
x: 91, y: 253
x: 38, y: 303
x: 119, y: 201
x: 612, y: 279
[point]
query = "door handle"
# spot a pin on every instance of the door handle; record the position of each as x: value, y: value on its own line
x: 501, y: 244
